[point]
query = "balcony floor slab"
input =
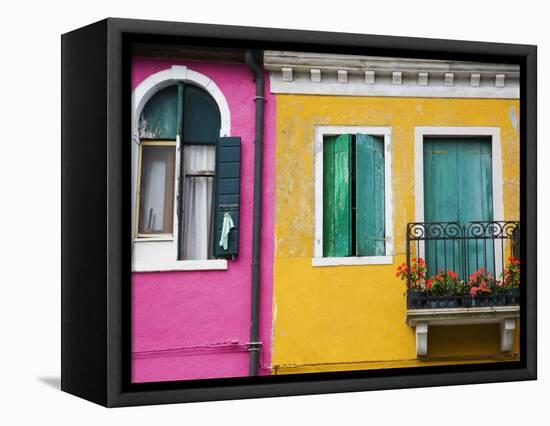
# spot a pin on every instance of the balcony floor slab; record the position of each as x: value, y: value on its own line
x: 421, y: 319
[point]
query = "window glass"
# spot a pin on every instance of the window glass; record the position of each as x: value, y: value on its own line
x: 199, y: 165
x: 156, y: 189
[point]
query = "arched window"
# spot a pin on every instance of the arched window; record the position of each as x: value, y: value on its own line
x: 178, y: 187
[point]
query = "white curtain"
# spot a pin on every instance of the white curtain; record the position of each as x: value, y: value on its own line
x: 197, y: 201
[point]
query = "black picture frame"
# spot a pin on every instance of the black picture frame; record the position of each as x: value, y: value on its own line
x: 96, y: 204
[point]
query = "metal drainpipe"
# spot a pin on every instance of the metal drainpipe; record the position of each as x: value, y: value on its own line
x: 254, y: 344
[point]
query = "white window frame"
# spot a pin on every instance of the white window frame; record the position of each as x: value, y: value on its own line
x: 420, y: 133
x: 320, y: 133
x: 157, y: 236
x: 159, y: 253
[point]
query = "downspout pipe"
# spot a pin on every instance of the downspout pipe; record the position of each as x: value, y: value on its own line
x: 253, y: 61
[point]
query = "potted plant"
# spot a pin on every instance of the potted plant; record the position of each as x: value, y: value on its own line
x: 446, y: 285
x: 481, y: 284
x: 415, y: 279
x: 498, y: 292
x: 511, y: 280
x: 461, y: 290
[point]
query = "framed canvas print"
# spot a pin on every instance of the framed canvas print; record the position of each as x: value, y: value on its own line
x: 253, y: 212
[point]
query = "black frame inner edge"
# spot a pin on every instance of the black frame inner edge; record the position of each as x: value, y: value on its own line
x: 320, y: 382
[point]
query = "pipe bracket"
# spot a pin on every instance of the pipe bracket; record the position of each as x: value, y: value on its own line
x: 254, y: 346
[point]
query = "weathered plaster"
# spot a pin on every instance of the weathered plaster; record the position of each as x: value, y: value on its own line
x: 514, y: 119
x: 353, y: 317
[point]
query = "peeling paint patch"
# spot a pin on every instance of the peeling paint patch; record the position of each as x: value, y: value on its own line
x: 514, y: 120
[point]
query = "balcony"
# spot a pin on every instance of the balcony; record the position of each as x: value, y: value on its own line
x: 460, y: 274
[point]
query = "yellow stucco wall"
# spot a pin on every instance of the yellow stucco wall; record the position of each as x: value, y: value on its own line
x: 353, y: 317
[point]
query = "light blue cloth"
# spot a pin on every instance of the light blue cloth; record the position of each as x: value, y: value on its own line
x: 227, y: 225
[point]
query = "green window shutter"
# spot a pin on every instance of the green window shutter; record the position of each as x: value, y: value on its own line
x: 370, y: 206
x: 226, y: 194
x: 337, y: 196
x: 458, y: 187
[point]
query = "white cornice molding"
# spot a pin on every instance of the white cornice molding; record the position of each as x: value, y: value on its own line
x: 352, y: 75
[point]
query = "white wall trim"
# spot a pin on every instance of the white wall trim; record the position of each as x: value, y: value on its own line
x: 319, y: 133
x: 421, y: 132
x: 180, y: 265
x: 352, y: 261
x: 385, y: 76
x: 162, y: 79
x: 156, y: 254
x: 410, y: 87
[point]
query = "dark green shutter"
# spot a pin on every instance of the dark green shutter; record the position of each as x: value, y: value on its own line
x: 226, y: 193
x: 337, y: 196
x: 370, y: 213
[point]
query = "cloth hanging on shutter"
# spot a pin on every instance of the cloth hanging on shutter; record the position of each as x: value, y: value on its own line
x: 227, y: 226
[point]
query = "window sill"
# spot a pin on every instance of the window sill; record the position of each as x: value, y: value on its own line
x: 162, y: 237
x: 352, y: 261
x: 181, y: 265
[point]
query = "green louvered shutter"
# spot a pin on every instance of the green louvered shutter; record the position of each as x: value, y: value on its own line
x: 370, y: 210
x: 337, y: 196
x: 226, y: 193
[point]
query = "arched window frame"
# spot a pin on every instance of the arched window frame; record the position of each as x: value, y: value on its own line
x: 160, y: 253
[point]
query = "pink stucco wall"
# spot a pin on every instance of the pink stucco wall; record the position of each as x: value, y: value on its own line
x: 195, y: 324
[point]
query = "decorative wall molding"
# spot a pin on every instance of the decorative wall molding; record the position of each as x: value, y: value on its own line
x: 369, y: 77
x: 315, y: 75
x: 423, y: 79
x: 342, y: 76
x: 287, y: 74
x: 353, y: 75
x: 397, y: 77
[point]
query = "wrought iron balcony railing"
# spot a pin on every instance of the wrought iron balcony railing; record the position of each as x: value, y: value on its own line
x: 463, y: 249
